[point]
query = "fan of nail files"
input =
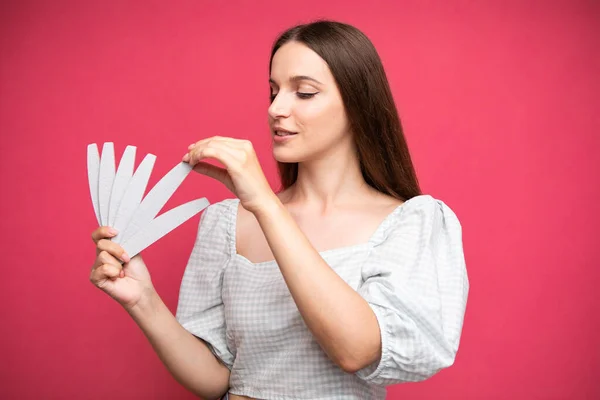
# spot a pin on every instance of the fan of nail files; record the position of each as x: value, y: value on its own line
x: 117, y: 197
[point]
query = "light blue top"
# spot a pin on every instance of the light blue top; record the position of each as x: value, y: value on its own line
x: 411, y: 272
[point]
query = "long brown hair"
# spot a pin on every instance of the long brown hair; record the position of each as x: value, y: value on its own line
x: 384, y: 158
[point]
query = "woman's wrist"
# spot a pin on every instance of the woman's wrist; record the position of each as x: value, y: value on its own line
x: 148, y: 303
x: 267, y: 207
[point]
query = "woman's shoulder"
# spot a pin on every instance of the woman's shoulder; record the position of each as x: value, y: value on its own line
x: 222, y: 208
x: 215, y: 228
x: 427, y: 205
x: 219, y: 215
x: 422, y: 212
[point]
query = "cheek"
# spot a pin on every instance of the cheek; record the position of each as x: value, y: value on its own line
x: 322, y: 119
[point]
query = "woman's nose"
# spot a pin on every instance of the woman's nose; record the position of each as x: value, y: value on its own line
x: 279, y: 107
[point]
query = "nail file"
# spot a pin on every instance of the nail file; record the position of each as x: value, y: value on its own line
x: 156, y: 199
x: 105, y: 182
x: 118, y: 195
x: 133, y: 195
x: 122, y: 178
x: 162, y: 225
x: 93, y: 166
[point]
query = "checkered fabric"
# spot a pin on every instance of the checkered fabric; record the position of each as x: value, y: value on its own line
x: 411, y: 272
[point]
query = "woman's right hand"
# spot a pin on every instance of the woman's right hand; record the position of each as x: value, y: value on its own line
x: 128, y: 283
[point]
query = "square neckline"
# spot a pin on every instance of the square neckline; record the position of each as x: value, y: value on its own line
x: 233, y: 227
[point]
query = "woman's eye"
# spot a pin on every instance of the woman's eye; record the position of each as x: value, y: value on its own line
x: 300, y: 95
x: 305, y: 95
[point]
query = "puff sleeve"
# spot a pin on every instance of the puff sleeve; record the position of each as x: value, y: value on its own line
x: 415, y: 281
x: 200, y: 308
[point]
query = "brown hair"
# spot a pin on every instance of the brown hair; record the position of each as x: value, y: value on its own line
x: 384, y: 158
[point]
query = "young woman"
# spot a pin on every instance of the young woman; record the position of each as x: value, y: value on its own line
x: 346, y: 280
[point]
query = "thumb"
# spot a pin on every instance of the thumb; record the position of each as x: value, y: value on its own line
x: 220, y: 174
x: 213, y: 171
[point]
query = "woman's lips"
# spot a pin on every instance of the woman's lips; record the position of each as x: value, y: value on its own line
x: 283, y: 138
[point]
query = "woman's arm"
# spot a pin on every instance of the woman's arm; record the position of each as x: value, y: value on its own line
x: 351, y: 339
x: 339, y: 318
x: 187, y: 358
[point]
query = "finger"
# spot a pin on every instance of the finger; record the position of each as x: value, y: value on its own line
x: 229, y: 157
x: 211, y: 170
x: 215, y: 138
x: 203, y: 143
x: 103, y: 232
x: 104, y: 271
x: 105, y: 257
x: 215, y: 172
x: 242, y: 144
x: 234, y: 151
x: 237, y: 143
x: 114, y: 249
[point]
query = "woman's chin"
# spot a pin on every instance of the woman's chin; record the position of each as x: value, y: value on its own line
x: 283, y: 156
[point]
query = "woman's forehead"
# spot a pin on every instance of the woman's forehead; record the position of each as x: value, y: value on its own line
x: 294, y: 62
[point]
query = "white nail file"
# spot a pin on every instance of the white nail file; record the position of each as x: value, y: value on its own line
x: 122, y: 178
x: 93, y: 166
x: 155, y: 200
x: 117, y: 197
x: 133, y: 195
x: 105, y: 182
x: 162, y: 225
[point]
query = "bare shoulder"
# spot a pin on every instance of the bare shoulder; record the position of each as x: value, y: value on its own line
x: 384, y: 203
x: 245, y: 218
x: 248, y: 232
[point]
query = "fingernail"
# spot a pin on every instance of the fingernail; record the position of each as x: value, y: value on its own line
x: 122, y: 274
x: 125, y: 257
x: 186, y: 158
x: 112, y: 231
x: 191, y: 145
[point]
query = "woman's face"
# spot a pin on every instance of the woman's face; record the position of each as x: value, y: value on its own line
x: 307, y: 102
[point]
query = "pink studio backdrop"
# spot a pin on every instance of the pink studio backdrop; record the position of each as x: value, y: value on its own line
x: 499, y: 101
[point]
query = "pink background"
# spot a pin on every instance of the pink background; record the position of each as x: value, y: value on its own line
x: 500, y: 104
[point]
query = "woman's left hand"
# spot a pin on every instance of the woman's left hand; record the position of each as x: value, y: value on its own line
x: 242, y: 174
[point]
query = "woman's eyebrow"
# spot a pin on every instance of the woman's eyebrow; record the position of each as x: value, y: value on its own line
x: 297, y: 78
